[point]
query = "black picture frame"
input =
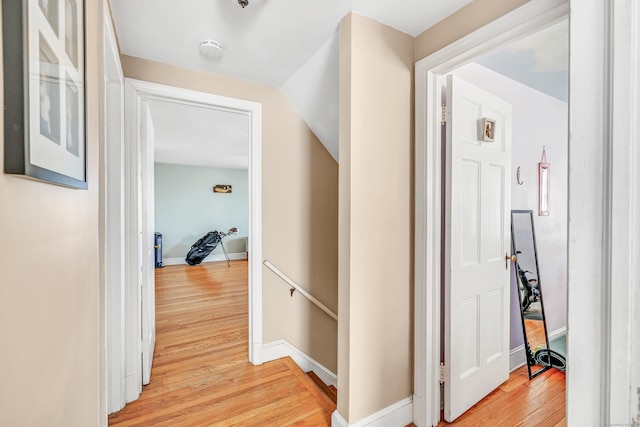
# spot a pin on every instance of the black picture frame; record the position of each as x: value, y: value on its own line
x: 44, y: 91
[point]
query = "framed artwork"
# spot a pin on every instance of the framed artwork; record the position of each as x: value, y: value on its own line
x: 488, y: 128
x: 44, y: 90
x: 222, y: 188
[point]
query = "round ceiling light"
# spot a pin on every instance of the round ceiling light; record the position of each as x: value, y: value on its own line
x: 211, y: 49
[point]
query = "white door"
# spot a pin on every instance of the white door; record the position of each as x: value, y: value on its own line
x: 477, y: 244
x: 148, y: 308
x: 114, y: 213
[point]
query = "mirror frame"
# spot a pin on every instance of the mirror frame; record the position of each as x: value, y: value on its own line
x: 527, y: 348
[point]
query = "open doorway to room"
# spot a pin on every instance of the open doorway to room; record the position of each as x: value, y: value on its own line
x: 201, y: 180
x: 445, y: 235
x: 531, y: 77
x: 172, y: 106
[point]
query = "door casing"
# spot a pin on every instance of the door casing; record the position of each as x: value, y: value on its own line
x: 147, y: 211
x: 604, y: 204
x: 429, y: 73
x: 136, y: 93
x: 112, y: 219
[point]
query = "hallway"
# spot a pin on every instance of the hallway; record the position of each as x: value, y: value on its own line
x: 201, y: 376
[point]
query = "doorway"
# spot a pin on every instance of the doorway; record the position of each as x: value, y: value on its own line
x: 430, y: 195
x: 537, y: 127
x: 138, y: 158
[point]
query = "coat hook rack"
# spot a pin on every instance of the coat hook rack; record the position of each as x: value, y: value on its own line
x: 292, y: 290
x: 518, y: 180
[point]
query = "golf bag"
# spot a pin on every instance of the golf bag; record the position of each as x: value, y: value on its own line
x: 206, y: 244
x: 203, y: 247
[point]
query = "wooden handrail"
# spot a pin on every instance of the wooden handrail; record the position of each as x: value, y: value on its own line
x: 297, y: 287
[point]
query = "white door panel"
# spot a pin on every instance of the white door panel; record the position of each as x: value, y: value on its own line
x: 147, y: 231
x: 477, y: 241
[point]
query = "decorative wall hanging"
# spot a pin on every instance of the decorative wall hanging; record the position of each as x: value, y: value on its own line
x: 222, y: 189
x: 543, y: 185
x: 44, y: 90
x: 488, y: 128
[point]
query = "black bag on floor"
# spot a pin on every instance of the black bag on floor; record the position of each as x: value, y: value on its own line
x: 203, y: 247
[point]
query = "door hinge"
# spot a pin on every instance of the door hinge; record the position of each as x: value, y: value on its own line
x: 444, y: 114
x: 441, y: 373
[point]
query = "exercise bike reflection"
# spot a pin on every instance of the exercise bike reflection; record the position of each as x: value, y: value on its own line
x: 529, y: 292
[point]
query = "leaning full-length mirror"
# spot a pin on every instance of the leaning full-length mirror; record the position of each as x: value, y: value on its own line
x: 529, y: 291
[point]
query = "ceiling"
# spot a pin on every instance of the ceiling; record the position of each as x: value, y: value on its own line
x: 288, y: 44
x: 264, y: 45
x: 540, y: 61
x: 266, y: 42
x: 190, y: 135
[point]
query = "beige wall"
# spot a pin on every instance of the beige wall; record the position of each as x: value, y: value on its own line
x: 376, y: 217
x: 466, y: 20
x: 50, y: 301
x: 300, y: 212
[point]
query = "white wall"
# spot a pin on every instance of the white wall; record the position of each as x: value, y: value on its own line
x: 538, y: 120
x: 186, y: 207
x: 313, y: 91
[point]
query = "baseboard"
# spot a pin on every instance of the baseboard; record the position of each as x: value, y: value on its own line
x: 517, y: 358
x: 419, y: 410
x: 210, y: 258
x: 282, y: 348
x: 557, y: 333
x: 397, y: 415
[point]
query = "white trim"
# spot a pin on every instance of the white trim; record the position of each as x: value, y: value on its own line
x: 517, y: 358
x: 623, y: 392
x: 135, y: 92
x: 397, y: 415
x: 527, y: 19
x: 210, y: 258
x: 604, y: 175
x: 146, y: 135
x: 112, y: 201
x: 589, y: 209
x: 282, y: 348
x: 255, y: 234
x: 133, y: 261
x: 300, y: 289
x: 337, y: 420
x: 558, y: 332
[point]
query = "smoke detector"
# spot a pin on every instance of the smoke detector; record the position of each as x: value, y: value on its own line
x: 211, y: 49
x: 245, y: 3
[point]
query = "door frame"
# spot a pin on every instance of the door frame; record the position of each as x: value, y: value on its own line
x: 147, y: 257
x: 112, y: 218
x: 137, y: 92
x: 429, y: 74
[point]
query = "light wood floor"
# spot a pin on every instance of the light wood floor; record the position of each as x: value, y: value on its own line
x: 201, y: 376
x: 520, y: 402
x: 535, y: 333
